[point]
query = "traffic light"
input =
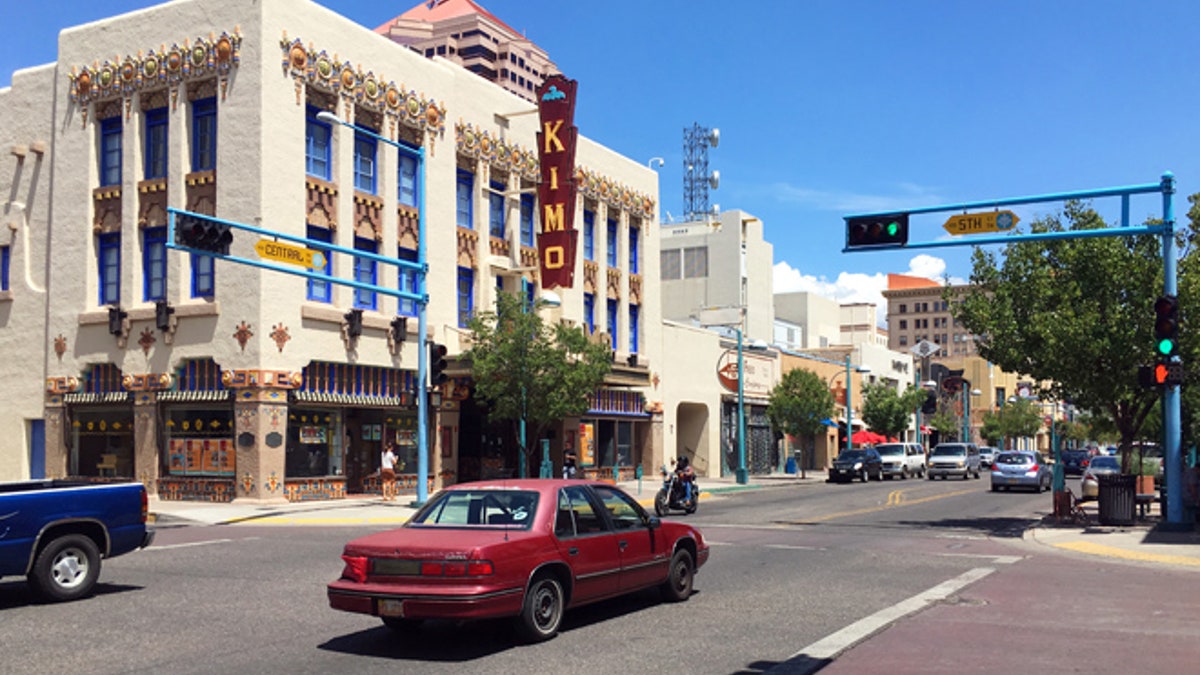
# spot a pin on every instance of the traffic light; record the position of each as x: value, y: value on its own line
x: 886, y: 231
x: 202, y: 233
x: 1162, y: 374
x: 1166, y: 325
x: 437, y: 364
x: 929, y: 407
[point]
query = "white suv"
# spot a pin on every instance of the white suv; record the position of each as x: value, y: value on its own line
x: 902, y: 459
x: 954, y: 459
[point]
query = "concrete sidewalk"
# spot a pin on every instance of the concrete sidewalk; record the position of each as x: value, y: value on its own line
x: 1147, y: 540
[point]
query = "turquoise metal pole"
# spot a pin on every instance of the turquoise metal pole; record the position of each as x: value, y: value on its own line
x: 743, y: 476
x: 849, y: 406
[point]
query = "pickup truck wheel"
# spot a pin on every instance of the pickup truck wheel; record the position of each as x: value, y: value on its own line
x: 66, y: 569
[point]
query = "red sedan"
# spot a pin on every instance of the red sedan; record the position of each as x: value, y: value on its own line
x: 528, y: 549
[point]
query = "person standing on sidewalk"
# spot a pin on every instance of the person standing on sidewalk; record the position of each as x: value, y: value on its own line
x: 569, y: 460
x: 387, y: 473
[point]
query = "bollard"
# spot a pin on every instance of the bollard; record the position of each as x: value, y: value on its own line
x: 638, y: 474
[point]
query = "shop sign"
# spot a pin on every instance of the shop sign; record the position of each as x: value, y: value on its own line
x: 759, y: 373
x: 556, y: 192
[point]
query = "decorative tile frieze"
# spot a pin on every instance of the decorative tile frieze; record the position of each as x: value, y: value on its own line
x: 468, y: 247
x: 261, y: 378
x: 612, y: 193
x: 497, y: 153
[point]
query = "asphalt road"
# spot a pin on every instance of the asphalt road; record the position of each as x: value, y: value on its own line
x: 791, y: 566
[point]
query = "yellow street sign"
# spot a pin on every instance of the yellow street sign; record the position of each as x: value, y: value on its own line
x: 978, y: 223
x: 287, y: 253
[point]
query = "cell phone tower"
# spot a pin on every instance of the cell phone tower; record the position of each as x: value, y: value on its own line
x: 696, y: 178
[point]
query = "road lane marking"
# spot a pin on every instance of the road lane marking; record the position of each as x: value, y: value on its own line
x: 996, y: 559
x: 876, y: 509
x: 795, y: 547
x: 831, y: 645
x: 190, y: 544
x: 1112, y: 552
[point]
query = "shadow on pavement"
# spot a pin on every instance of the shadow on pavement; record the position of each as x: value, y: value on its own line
x: 801, y: 664
x: 1004, y: 528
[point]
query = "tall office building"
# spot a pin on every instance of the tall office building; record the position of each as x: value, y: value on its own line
x: 465, y: 33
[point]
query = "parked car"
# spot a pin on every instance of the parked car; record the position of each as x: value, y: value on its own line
x: 55, y: 532
x: 1021, y: 469
x: 954, y: 459
x: 1075, y: 461
x: 863, y: 463
x: 1089, y: 485
x: 987, y: 455
x: 902, y: 459
x: 529, y: 549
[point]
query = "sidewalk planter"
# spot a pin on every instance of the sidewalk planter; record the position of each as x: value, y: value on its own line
x: 1117, y: 497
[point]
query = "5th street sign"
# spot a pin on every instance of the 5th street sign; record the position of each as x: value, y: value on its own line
x: 978, y: 223
x: 286, y: 253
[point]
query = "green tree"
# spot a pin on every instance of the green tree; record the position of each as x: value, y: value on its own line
x: 888, y: 412
x: 526, y: 368
x: 1071, y: 312
x: 799, y: 404
x: 945, y: 420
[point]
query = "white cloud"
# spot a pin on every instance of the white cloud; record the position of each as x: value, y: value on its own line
x: 857, y: 287
x: 904, y: 196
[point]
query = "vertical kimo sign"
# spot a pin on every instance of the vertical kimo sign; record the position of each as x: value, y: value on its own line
x: 556, y: 193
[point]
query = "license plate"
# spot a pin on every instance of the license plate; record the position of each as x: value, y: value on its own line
x: 391, y: 608
x: 1013, y: 481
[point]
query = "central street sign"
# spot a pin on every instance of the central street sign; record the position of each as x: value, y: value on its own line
x: 978, y: 223
x: 293, y: 255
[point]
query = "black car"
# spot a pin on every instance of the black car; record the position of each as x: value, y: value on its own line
x: 1075, y: 462
x: 865, y: 463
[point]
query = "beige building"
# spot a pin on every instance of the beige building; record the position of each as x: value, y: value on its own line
x: 216, y: 380
x: 463, y: 32
x: 916, y: 312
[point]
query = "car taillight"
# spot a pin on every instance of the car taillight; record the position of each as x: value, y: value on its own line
x: 1084, y: 463
x: 356, y: 568
x: 1032, y: 468
x: 457, y: 568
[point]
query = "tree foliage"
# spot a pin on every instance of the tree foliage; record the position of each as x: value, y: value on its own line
x: 524, y: 367
x: 888, y: 412
x: 799, y: 404
x: 1075, y: 313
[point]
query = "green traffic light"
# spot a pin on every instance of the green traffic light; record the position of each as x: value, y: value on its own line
x: 1166, y: 347
x: 892, y: 228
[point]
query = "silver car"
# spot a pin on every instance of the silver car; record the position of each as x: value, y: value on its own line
x: 1021, y: 469
x: 1101, y: 465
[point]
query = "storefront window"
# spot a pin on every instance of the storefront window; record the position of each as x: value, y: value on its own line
x: 103, y: 442
x: 606, y: 443
x: 403, y: 429
x: 200, y: 442
x: 314, y: 445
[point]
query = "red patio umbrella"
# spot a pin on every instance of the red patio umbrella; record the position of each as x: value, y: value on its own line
x: 866, y: 437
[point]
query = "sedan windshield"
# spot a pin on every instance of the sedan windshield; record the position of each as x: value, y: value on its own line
x: 852, y: 456
x: 479, y: 508
x: 1107, y: 463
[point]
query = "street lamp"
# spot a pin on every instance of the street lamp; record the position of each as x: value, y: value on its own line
x: 422, y: 350
x: 967, y: 393
x: 549, y: 299
x: 849, y: 390
x: 656, y: 160
x: 743, y: 474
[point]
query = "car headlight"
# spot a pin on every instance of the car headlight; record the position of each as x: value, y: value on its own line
x: 961, y: 463
x: 857, y: 466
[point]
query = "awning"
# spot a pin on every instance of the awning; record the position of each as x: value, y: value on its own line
x: 353, y: 399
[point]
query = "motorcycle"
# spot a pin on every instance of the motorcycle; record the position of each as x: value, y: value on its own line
x: 672, y: 496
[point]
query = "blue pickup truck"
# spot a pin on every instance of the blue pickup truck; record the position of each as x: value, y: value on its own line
x: 55, y: 532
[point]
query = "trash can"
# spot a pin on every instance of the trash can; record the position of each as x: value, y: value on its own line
x: 1117, y: 498
x: 790, y: 466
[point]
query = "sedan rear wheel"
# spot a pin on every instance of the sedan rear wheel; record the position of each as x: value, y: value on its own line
x: 543, y: 610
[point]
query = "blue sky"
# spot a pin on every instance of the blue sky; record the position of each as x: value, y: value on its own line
x: 833, y: 107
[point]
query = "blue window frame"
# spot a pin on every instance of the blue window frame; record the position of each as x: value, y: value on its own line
x: 4, y: 263
x: 611, y: 243
x: 204, y: 276
x: 365, y: 272
x: 321, y: 291
x: 154, y: 264
x: 407, y: 281
x: 364, y: 163
x: 612, y: 322
x: 156, y: 144
x: 466, y: 295
x: 634, y: 233
x: 317, y: 135
x: 496, y: 210
x: 633, y: 329
x: 589, y: 235
x: 464, y: 212
x: 589, y: 312
x: 527, y: 220
x: 109, y: 255
x: 110, y: 151
x: 407, y: 185
x: 204, y: 134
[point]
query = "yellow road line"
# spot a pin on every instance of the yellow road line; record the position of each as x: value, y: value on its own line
x: 895, y: 498
x: 1112, y: 552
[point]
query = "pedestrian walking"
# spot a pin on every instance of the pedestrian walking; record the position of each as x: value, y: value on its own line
x: 387, y: 473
